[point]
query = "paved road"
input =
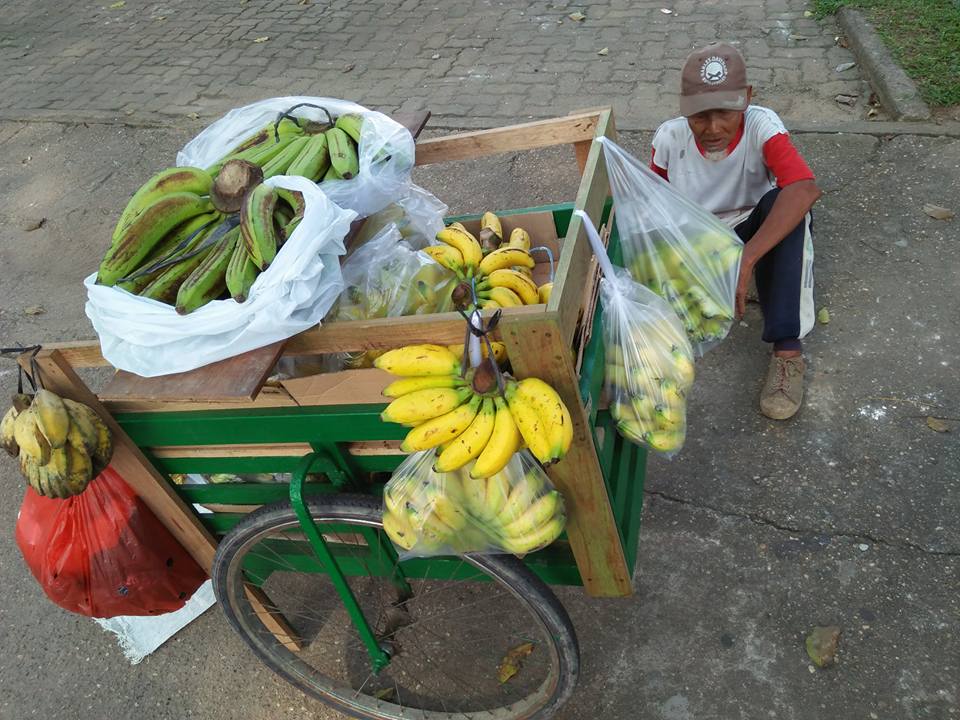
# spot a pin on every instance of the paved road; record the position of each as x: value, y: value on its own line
x: 473, y: 63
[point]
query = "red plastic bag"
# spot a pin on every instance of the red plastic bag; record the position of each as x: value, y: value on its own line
x: 103, y: 553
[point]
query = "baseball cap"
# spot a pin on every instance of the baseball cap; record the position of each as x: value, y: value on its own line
x: 713, y: 78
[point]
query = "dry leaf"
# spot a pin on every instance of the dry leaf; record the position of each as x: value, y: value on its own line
x: 666, y: 11
x: 603, y: 51
x: 435, y: 56
x: 303, y: 2
x: 119, y: 4
x: 262, y: 39
x: 937, y: 424
x: 159, y: 18
x: 807, y: 13
x: 872, y: 112
x: 348, y: 68
x: 387, y: 694
x: 846, y: 99
x: 843, y: 67
x: 822, y: 645
x: 34, y: 310
x: 937, y: 212
x: 798, y: 37
x: 34, y: 224
x: 193, y: 116
x: 823, y: 317
x: 510, y: 665
x: 577, y: 16
x: 842, y: 41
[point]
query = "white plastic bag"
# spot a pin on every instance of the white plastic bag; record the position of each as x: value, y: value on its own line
x: 386, y: 148
x: 418, y: 217
x: 428, y: 513
x: 149, y: 338
x: 674, y: 247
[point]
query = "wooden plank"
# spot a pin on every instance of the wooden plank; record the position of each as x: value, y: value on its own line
x: 57, y: 375
x: 572, y: 277
x: 526, y: 136
x: 237, y: 378
x: 581, y: 151
x: 269, y: 397
x: 272, y: 620
x: 365, y: 448
x: 80, y: 353
x: 537, y: 348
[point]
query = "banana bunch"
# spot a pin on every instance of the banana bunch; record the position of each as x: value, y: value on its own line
x: 62, y: 444
x: 648, y: 373
x: 466, y: 418
x: 503, y: 268
x: 516, y: 509
x: 664, y: 270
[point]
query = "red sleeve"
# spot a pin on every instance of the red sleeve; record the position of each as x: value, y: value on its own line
x: 662, y: 172
x: 784, y: 161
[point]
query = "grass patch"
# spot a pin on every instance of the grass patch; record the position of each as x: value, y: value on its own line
x: 924, y: 37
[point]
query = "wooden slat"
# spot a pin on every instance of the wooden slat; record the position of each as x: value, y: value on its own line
x: 130, y: 463
x: 526, y: 136
x: 272, y: 620
x: 237, y: 378
x: 367, y: 448
x: 80, y: 353
x: 269, y: 397
x: 581, y: 150
x: 537, y: 349
x: 594, y: 189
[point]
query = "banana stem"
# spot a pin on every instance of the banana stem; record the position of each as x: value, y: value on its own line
x: 549, y: 252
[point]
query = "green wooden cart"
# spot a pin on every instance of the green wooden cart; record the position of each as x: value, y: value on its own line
x: 303, y: 569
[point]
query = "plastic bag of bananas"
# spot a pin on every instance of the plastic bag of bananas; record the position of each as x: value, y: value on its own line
x: 649, y: 361
x: 516, y: 510
x: 370, y: 157
x: 676, y: 248
x: 293, y: 292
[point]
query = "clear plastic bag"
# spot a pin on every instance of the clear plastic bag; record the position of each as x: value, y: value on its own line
x: 418, y: 217
x: 427, y: 513
x: 386, y: 149
x: 674, y: 247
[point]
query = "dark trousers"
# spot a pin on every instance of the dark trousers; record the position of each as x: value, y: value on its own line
x: 784, y: 278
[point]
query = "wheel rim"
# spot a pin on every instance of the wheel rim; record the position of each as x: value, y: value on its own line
x: 446, y: 640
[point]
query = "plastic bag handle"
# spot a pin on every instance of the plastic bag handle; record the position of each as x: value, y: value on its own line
x: 606, y: 267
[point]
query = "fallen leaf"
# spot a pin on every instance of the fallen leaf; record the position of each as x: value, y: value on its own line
x: 842, y: 41
x: 385, y: 693
x: 666, y: 11
x: 937, y: 212
x: 435, y: 56
x: 119, y: 4
x: 128, y: 112
x: 34, y: 224
x: 872, y: 112
x: 823, y: 317
x: 261, y: 39
x: 193, y: 116
x: 27, y: 159
x: 798, y: 37
x: 937, y: 424
x: 347, y: 68
x: 159, y: 18
x: 303, y: 2
x: 34, y: 310
x: 577, y: 16
x: 846, y: 99
x: 822, y: 645
x: 603, y: 51
x: 807, y: 13
x: 843, y: 67
x: 510, y: 665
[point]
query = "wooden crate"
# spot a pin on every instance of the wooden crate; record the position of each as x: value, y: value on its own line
x: 539, y: 341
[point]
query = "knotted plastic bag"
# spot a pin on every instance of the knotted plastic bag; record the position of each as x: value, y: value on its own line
x: 103, y: 553
x: 674, y: 247
x: 427, y: 513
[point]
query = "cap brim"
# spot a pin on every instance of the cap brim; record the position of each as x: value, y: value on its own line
x: 719, y: 100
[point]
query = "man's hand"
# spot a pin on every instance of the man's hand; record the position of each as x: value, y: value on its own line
x: 743, y: 282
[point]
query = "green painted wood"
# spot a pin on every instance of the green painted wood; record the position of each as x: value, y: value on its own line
x: 246, y: 493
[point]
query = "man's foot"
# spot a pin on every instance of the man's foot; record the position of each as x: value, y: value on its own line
x: 783, y: 391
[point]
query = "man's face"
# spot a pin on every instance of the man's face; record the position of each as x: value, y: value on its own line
x: 715, y: 129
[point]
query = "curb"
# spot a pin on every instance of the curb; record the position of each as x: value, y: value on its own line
x: 897, y: 92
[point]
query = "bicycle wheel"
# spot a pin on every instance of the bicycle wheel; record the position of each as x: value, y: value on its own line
x: 446, y: 633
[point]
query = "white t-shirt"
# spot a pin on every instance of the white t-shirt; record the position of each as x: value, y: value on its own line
x: 731, y: 187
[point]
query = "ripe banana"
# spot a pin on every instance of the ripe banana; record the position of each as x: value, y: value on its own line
x: 343, y: 153
x: 664, y: 440
x: 535, y: 515
x: 522, y: 495
x: 449, y: 257
x: 491, y: 231
x: 506, y: 257
x: 313, y: 160
x: 530, y: 424
x: 419, y: 360
x: 503, y: 297
x: 470, y: 443
x: 399, y: 530
x: 256, y: 225
x: 523, y: 286
x: 52, y: 417
x: 553, y: 412
x: 166, y: 182
x: 351, y: 123
x: 7, y: 438
x: 503, y: 443
x: 519, y: 238
x: 408, y: 385
x: 495, y: 497
x: 241, y: 273
x: 464, y: 242
x: 499, y: 351
x: 278, y: 164
x: 29, y: 439
x: 79, y: 471
x: 146, y: 230
x: 442, y: 429
x: 421, y: 405
x: 83, y: 434
x: 207, y: 282
x: 544, y: 292
x: 541, y: 537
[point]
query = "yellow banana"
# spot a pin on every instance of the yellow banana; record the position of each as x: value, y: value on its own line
x: 530, y: 424
x: 544, y: 292
x: 419, y: 360
x: 399, y: 530
x: 7, y: 438
x: 408, y: 385
x: 52, y: 417
x: 670, y: 416
x: 441, y: 429
x: 499, y: 351
x: 458, y: 226
x: 554, y: 413
x: 83, y: 433
x: 664, y: 440
x: 503, y: 297
x: 464, y: 242
x: 536, y: 514
x: 79, y: 470
x: 506, y: 257
x: 490, y: 305
x: 495, y: 497
x: 519, y: 238
x: 449, y: 257
x: 522, y: 495
x: 447, y: 511
x: 541, y: 537
x: 523, y: 286
x: 421, y: 405
x: 474, y: 494
x: 684, y: 368
x: 491, y: 231
x: 470, y: 443
x: 503, y: 443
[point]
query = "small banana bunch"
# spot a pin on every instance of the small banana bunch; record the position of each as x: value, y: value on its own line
x: 516, y: 509
x: 502, y: 268
x: 62, y: 444
x: 664, y: 270
x: 466, y: 418
x: 648, y: 373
